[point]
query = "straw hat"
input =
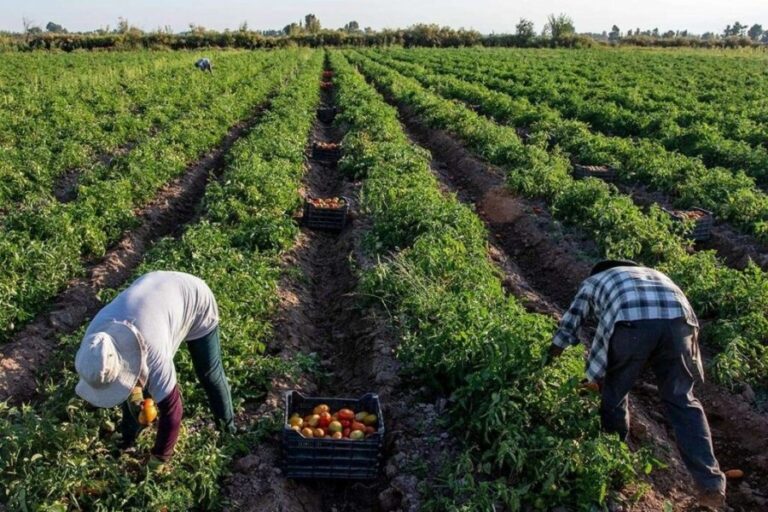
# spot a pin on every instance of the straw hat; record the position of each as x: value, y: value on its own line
x: 109, y: 362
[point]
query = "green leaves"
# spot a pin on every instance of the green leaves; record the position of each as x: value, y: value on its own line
x: 58, y: 455
x: 529, y: 437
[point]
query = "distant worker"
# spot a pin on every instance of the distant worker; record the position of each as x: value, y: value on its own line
x: 128, y: 349
x: 204, y: 64
x: 643, y: 317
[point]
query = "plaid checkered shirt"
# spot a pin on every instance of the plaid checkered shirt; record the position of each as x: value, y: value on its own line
x: 615, y: 295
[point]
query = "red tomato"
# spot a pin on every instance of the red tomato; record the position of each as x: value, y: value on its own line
x: 356, y: 425
x: 346, y: 414
x: 345, y: 432
x: 325, y: 420
x: 370, y: 430
x: 345, y: 423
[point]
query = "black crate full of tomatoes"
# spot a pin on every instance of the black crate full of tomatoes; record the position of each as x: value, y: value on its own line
x: 332, y: 438
x: 702, y: 221
x: 326, y: 213
x: 328, y: 152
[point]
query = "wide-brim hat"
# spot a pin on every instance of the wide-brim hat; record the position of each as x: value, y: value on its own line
x: 109, y: 363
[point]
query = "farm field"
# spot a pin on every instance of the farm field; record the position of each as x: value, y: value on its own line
x: 471, y: 229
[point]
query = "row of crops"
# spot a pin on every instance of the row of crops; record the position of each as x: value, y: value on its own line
x: 59, y: 454
x: 528, y: 436
x: 730, y: 193
x: 690, y: 102
x: 46, y: 242
x: 733, y: 301
x: 531, y: 437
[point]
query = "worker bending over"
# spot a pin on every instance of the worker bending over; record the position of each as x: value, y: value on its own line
x: 204, y: 64
x: 128, y: 349
x: 644, y: 318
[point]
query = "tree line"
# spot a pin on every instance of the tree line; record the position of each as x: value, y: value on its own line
x: 558, y: 31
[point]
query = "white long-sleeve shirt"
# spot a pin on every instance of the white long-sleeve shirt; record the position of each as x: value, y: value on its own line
x: 166, y: 308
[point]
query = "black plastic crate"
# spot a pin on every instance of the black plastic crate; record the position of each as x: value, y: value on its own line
x: 326, y: 114
x: 334, y: 219
x: 326, y: 154
x: 603, y: 172
x: 332, y: 458
x: 702, y: 227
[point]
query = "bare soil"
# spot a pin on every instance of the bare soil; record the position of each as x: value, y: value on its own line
x: 175, y: 205
x: 554, y: 262
x: 321, y: 313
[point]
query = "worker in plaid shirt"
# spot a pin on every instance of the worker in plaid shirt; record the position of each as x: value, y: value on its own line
x: 644, y: 318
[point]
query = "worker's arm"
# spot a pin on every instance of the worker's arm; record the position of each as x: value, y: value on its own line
x: 168, y: 425
x: 567, y: 331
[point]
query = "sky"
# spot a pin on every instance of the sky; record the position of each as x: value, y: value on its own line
x: 487, y: 16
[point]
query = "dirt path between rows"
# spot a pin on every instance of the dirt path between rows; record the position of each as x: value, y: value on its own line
x: 322, y: 314
x: 554, y: 261
x: 175, y: 205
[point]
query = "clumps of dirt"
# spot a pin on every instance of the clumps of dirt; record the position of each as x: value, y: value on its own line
x: 174, y: 206
x: 553, y: 259
x: 353, y: 341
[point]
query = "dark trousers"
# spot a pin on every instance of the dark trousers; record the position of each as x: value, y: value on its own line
x: 667, y: 345
x: 206, y: 360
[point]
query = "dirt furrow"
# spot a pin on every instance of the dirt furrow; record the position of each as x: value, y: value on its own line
x: 554, y: 261
x: 321, y: 314
x: 175, y: 205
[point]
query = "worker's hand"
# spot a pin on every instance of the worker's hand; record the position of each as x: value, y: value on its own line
x: 136, y: 396
x: 595, y: 386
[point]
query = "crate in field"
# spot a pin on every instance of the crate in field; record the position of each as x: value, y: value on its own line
x: 603, y: 172
x: 326, y: 114
x: 326, y: 213
x: 702, y: 222
x: 326, y: 458
x: 326, y: 151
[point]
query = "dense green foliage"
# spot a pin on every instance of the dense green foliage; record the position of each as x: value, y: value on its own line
x: 44, y: 242
x: 731, y: 195
x: 732, y: 298
x: 56, y: 455
x: 530, y: 437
